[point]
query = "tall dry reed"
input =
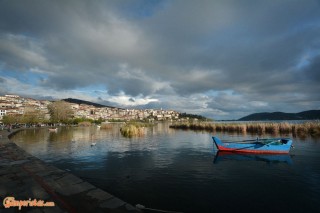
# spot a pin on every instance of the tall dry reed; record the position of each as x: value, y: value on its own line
x: 106, y: 126
x: 307, y: 128
x: 85, y: 123
x: 130, y: 130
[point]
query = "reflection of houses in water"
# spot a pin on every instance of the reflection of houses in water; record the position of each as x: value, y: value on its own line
x: 82, y: 134
x: 76, y: 141
x: 90, y: 134
x: 160, y: 128
x: 73, y: 139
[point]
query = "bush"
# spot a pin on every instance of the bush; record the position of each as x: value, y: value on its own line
x: 85, y: 123
x: 130, y: 130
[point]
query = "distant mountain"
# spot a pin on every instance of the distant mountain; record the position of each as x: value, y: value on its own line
x: 305, y: 115
x: 78, y: 101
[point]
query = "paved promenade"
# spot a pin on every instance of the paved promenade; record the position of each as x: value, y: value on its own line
x: 27, y: 178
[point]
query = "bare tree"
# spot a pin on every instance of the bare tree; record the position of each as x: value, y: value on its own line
x: 60, y: 111
x: 32, y: 116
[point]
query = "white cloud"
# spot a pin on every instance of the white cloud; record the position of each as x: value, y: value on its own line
x: 128, y: 101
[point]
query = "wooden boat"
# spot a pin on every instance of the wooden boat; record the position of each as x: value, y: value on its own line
x: 270, y: 145
x: 238, y: 156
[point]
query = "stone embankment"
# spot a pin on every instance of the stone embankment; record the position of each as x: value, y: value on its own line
x: 27, y: 178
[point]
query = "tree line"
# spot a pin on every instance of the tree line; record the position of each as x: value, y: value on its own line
x: 193, y: 116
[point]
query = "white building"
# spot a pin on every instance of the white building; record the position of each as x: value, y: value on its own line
x: 2, y: 113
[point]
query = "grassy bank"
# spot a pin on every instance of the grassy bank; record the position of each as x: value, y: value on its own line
x: 307, y: 128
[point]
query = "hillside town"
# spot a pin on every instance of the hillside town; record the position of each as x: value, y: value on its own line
x: 16, y: 105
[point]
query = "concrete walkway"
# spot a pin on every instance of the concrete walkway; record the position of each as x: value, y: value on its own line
x: 24, y: 176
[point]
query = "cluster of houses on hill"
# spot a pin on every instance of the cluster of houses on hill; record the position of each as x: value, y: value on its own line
x: 16, y: 105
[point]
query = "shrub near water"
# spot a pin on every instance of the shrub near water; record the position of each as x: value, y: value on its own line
x: 132, y: 129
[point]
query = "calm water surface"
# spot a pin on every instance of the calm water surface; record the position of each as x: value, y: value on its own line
x: 180, y: 170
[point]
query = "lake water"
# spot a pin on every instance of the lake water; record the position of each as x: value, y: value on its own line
x: 178, y: 170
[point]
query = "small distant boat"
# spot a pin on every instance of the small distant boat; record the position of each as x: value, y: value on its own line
x: 270, y: 145
x: 98, y: 126
x: 53, y: 129
x: 93, y: 144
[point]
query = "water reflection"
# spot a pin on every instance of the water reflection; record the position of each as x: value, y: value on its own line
x: 221, y: 156
x: 76, y: 142
x: 173, y: 169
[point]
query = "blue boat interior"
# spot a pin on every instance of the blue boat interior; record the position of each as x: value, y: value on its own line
x: 271, y: 141
x: 284, y: 141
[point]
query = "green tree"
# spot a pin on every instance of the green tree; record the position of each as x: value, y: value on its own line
x: 99, y: 121
x: 32, y: 116
x: 11, y: 119
x: 60, y: 111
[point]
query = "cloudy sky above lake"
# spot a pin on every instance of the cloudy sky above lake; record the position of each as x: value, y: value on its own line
x: 223, y: 59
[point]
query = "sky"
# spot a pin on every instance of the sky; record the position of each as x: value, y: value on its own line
x: 223, y: 59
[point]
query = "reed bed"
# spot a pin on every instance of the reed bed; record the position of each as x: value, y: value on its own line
x: 306, y: 128
x: 84, y: 123
x: 106, y: 126
x: 133, y: 129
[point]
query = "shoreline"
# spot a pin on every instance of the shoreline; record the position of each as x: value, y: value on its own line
x: 25, y: 177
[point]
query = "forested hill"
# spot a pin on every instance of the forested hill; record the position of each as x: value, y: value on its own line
x: 305, y: 115
x: 78, y: 101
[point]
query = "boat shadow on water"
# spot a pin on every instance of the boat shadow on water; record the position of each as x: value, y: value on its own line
x: 221, y: 156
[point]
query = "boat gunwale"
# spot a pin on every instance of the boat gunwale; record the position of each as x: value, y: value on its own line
x: 221, y: 147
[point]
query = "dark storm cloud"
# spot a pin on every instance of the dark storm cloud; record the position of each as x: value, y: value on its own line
x: 2, y: 80
x: 2, y: 83
x: 242, y: 56
x: 313, y: 69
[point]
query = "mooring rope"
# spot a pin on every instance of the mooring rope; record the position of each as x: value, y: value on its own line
x: 139, y: 206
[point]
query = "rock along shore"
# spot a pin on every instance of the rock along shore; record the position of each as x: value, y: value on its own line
x: 26, y: 177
